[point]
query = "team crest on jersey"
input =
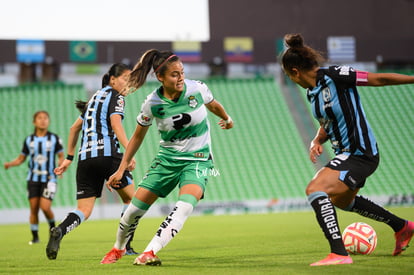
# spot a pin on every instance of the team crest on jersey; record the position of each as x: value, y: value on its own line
x: 192, y: 101
x: 40, y: 159
x: 326, y: 94
x: 120, y: 104
x: 145, y: 118
x: 48, y: 146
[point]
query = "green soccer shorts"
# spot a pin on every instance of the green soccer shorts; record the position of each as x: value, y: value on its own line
x: 165, y: 174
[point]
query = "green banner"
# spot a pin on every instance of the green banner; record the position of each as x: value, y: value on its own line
x: 82, y: 51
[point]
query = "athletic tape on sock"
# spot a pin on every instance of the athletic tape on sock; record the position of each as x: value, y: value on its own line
x: 188, y: 198
x: 140, y: 204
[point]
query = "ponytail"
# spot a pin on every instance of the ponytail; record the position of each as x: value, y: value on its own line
x: 105, y: 80
x: 151, y: 59
x: 81, y: 105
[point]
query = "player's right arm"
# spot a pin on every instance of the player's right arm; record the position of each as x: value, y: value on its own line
x: 16, y: 162
x: 316, y: 148
x: 72, y: 141
x: 133, y: 146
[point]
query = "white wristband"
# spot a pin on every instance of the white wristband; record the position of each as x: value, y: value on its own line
x: 229, y: 120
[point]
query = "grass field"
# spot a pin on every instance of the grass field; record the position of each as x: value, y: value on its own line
x: 276, y: 243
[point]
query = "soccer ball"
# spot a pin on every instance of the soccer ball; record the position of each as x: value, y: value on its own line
x: 359, y: 238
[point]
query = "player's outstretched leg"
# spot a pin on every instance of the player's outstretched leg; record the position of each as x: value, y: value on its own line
x: 403, y: 238
x: 403, y: 229
x: 52, y: 247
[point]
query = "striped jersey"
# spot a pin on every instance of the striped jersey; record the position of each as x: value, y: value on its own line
x: 336, y: 105
x: 42, y: 156
x: 183, y: 125
x: 98, y: 137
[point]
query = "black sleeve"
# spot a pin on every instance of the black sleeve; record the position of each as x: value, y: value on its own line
x: 342, y: 75
x: 25, y: 149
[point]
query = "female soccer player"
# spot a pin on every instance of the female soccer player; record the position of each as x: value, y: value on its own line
x: 179, y: 110
x: 99, y: 154
x: 42, y: 147
x: 335, y: 103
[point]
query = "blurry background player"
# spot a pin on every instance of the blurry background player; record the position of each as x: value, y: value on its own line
x: 42, y: 147
x: 178, y: 108
x: 99, y: 153
x: 335, y: 103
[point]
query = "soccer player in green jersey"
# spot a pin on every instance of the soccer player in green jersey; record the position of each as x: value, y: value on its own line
x: 179, y: 108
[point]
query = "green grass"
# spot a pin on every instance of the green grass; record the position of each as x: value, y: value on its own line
x: 277, y: 243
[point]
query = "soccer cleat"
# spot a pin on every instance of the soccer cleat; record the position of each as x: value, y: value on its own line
x: 403, y: 237
x: 34, y: 241
x: 147, y: 258
x: 334, y: 259
x: 52, y: 247
x: 130, y: 251
x: 113, y: 256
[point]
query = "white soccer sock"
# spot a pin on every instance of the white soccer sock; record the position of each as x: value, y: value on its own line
x: 127, y: 225
x: 170, y: 226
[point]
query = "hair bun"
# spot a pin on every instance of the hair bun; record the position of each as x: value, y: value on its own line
x: 294, y: 40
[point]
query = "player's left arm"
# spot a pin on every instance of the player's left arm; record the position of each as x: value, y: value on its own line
x: 116, y: 123
x: 383, y: 79
x: 216, y: 108
x: 61, y: 157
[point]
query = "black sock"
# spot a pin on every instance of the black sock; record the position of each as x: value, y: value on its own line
x: 52, y: 224
x: 35, y: 235
x: 326, y: 216
x: 128, y: 244
x: 69, y: 223
x: 369, y: 209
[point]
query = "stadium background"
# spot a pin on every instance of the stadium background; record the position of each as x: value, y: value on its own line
x: 262, y: 164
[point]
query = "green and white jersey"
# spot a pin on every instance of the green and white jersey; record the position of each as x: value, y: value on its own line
x: 183, y: 125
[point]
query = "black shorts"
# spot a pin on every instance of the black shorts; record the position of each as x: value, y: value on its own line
x: 92, y: 173
x: 37, y: 189
x: 354, y: 169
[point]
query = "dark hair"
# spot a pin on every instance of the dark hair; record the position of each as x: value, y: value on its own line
x: 116, y: 70
x: 151, y: 59
x: 40, y: 112
x: 81, y: 105
x: 298, y: 55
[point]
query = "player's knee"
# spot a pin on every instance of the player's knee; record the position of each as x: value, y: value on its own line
x: 313, y: 187
x: 46, y: 210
